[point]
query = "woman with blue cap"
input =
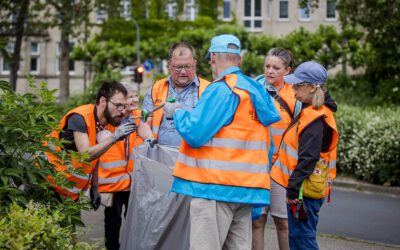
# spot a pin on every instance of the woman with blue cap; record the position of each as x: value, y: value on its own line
x: 307, y: 153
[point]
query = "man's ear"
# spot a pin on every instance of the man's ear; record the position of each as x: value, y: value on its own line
x: 103, y: 99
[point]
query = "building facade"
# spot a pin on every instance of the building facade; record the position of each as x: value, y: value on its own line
x: 40, y: 55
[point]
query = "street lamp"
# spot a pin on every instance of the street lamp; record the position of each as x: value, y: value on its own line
x: 137, y: 42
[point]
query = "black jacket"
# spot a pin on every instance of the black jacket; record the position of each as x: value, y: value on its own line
x: 314, y: 139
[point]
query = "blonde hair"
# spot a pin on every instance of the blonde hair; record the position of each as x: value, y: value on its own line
x: 318, y: 98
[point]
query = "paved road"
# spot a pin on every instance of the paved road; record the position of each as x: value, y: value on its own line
x: 363, y: 216
x: 369, y: 217
x: 372, y: 217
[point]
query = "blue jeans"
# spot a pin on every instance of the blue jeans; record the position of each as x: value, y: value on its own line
x: 302, y: 234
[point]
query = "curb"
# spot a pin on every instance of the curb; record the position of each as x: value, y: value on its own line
x: 350, y: 183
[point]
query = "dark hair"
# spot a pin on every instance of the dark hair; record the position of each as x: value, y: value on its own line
x: 181, y: 45
x: 285, y: 55
x: 109, y: 88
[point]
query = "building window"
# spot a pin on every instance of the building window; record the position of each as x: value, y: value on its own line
x: 190, y: 10
x: 125, y: 9
x: 101, y: 14
x: 331, y: 9
x: 171, y: 10
x: 252, y: 18
x: 283, y: 9
x: 71, y: 62
x: 305, y: 13
x: 5, y: 66
x: 35, y: 58
x: 226, y: 11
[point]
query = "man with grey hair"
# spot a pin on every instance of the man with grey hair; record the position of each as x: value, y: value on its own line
x: 223, y: 160
x: 182, y: 84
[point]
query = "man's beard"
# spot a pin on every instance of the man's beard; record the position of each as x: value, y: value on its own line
x: 112, y: 120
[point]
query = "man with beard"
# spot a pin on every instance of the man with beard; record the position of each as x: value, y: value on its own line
x: 80, y: 127
x: 182, y: 85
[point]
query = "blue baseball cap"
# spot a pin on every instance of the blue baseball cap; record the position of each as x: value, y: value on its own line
x: 221, y: 44
x: 310, y: 72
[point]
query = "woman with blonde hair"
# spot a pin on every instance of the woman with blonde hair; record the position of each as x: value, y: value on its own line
x: 307, y: 151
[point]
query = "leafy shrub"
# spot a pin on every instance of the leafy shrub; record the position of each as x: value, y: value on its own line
x: 35, y: 228
x: 25, y: 122
x: 369, y: 146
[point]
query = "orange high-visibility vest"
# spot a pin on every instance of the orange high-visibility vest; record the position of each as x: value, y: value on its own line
x: 116, y: 165
x: 159, y: 94
x: 237, y: 155
x: 80, y: 181
x: 286, y: 162
x: 277, y: 129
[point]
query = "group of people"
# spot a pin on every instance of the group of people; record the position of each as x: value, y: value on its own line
x: 244, y: 145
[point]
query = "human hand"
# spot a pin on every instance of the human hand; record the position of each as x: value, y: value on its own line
x: 95, y: 197
x: 292, y: 202
x: 124, y: 130
x: 151, y: 142
x: 169, y: 109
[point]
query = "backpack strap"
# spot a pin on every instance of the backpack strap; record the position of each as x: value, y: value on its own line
x: 283, y: 104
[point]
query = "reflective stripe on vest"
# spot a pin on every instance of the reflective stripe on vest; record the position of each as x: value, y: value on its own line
x: 159, y: 94
x: 80, y: 181
x: 237, y: 155
x: 116, y: 165
x: 286, y: 161
x: 286, y: 93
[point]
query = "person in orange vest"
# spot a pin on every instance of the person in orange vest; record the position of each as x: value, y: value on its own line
x: 114, y: 171
x: 223, y: 159
x: 182, y: 84
x: 278, y: 63
x: 311, y: 138
x: 79, y: 128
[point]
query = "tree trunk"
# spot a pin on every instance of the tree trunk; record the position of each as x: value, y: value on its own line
x: 64, y: 66
x: 19, y: 34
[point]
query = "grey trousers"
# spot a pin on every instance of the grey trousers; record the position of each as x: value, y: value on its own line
x: 219, y: 225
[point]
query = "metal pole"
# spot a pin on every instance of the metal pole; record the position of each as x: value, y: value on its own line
x: 137, y: 48
x: 137, y: 42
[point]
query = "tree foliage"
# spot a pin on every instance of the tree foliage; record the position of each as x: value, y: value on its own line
x: 19, y: 19
x: 25, y: 123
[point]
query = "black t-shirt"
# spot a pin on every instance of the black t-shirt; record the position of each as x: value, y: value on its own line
x: 74, y: 123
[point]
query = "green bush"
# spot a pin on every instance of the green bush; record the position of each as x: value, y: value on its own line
x: 35, y: 228
x: 25, y: 122
x: 369, y: 146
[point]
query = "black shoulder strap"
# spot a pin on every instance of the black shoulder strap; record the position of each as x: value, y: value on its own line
x: 283, y: 104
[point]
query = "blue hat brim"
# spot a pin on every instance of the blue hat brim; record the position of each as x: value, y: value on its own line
x: 291, y: 79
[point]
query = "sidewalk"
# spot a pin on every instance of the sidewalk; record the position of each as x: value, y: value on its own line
x: 94, y: 231
x: 347, y: 182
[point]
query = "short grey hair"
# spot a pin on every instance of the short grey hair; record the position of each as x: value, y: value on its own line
x: 130, y: 87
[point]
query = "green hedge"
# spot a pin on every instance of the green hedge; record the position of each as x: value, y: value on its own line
x: 34, y: 227
x: 369, y: 146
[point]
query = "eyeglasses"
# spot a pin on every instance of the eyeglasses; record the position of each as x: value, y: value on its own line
x: 119, y: 106
x: 299, y: 85
x: 178, y: 68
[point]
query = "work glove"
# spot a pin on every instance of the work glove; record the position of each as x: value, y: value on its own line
x: 95, y: 197
x: 151, y: 142
x: 124, y: 130
x: 169, y: 109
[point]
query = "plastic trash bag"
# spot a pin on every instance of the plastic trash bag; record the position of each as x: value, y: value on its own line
x: 156, y: 217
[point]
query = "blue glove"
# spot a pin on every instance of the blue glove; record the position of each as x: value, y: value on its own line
x: 169, y: 109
